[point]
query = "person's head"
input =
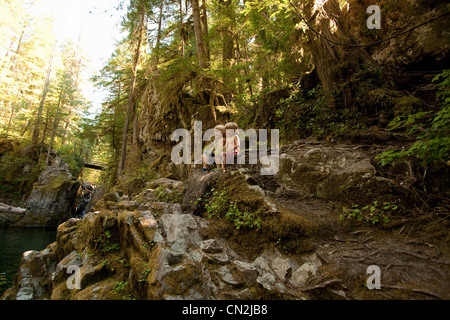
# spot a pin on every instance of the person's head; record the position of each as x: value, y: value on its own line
x: 220, y: 131
x: 231, y: 126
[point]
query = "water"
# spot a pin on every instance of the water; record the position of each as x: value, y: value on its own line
x: 14, y: 242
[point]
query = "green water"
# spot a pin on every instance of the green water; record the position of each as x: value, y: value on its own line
x: 14, y: 242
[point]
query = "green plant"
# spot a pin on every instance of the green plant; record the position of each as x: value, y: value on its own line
x: 243, y: 219
x: 124, y: 262
x: 433, y: 141
x: 278, y: 244
x: 121, y: 288
x: 219, y: 205
x: 105, y: 244
x: 106, y: 263
x: 145, y: 274
x: 374, y: 213
x: 162, y: 195
x: 149, y: 245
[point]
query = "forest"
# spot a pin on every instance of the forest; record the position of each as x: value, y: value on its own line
x: 326, y: 73
x: 260, y: 63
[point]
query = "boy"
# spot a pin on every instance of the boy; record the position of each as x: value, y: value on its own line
x: 232, y: 144
x: 211, y: 153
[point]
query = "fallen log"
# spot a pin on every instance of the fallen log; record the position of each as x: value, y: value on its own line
x: 4, y: 208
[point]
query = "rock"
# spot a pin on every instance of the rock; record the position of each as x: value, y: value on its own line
x: 282, y: 267
x: 72, y: 259
x: 196, y: 188
x: 219, y: 258
x: 112, y: 196
x: 339, y: 174
x: 181, y: 230
x: 267, y: 280
x: 31, y: 273
x: 301, y: 275
x: 165, y: 183
x: 226, y: 275
x: 128, y: 205
x: 211, y: 246
x: 247, y: 271
x: 53, y: 199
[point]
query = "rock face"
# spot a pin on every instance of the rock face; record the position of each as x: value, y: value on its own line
x: 342, y: 173
x: 154, y: 252
x: 53, y: 199
x: 147, y: 249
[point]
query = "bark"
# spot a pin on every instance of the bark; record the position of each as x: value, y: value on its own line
x: 199, y: 44
x: 181, y: 28
x: 61, y: 103
x: 4, y: 208
x: 325, y: 54
x: 158, y: 35
x: 228, y: 44
x: 205, y: 31
x: 130, y: 104
x: 35, y: 136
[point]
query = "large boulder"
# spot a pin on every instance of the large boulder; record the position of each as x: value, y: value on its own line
x: 53, y: 199
x: 342, y: 174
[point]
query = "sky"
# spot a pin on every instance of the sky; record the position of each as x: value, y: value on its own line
x: 99, y: 24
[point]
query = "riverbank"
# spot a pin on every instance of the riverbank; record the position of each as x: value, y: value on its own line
x: 13, y: 243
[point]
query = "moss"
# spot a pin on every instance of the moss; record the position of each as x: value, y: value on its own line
x: 179, y: 280
x: 294, y: 230
x: 407, y: 105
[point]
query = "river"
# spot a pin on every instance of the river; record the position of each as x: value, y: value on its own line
x: 14, y: 242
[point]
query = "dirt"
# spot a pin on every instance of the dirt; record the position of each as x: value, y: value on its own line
x: 412, y: 251
x: 413, y: 257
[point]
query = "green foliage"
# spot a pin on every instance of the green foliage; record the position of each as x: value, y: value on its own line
x: 163, y: 195
x: 14, y: 181
x: 219, y: 205
x: 309, y: 113
x: 149, y: 245
x: 124, y: 262
x: 433, y: 139
x: 144, y: 275
x: 376, y: 212
x: 245, y: 220
x: 121, y: 288
x: 73, y: 160
x: 105, y: 244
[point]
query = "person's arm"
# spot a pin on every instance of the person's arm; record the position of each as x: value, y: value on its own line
x: 237, y: 143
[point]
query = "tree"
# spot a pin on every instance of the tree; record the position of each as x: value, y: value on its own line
x: 202, y: 54
x: 37, y: 125
x: 138, y: 14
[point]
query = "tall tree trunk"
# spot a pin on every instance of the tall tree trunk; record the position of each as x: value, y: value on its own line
x: 326, y: 55
x: 10, y: 119
x: 201, y: 50
x: 205, y: 31
x: 44, y: 133
x: 13, y: 62
x: 181, y: 28
x: 130, y: 104
x: 227, y: 46
x: 35, y: 136
x: 158, y: 34
x: 61, y: 102
x: 55, y: 126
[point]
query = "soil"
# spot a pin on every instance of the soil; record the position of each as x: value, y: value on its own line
x: 412, y: 251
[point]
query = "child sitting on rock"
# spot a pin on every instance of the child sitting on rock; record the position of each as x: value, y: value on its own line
x: 212, y: 152
x: 232, y: 144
